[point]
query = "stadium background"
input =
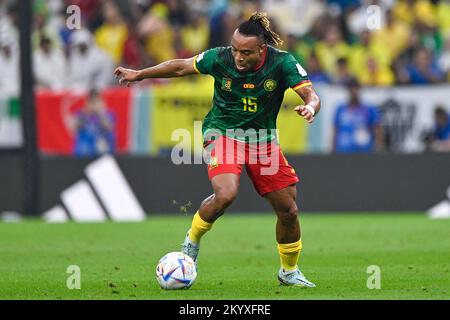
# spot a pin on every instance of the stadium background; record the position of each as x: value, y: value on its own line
x: 399, y: 51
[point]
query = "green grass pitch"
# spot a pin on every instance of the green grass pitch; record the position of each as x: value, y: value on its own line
x: 238, y: 258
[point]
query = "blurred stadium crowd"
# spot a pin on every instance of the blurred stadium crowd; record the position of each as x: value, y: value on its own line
x: 352, y: 43
x: 398, y: 42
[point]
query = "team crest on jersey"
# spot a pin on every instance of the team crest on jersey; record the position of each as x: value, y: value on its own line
x: 270, y: 85
x: 226, y: 84
x: 213, y: 163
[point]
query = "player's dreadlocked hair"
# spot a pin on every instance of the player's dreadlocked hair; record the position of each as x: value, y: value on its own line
x: 259, y: 25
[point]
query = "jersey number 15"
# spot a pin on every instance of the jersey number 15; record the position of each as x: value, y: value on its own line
x: 250, y: 104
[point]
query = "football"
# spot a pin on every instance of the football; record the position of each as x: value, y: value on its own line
x: 176, y: 270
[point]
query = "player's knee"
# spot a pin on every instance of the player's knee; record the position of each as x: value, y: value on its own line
x: 225, y: 196
x: 288, y: 214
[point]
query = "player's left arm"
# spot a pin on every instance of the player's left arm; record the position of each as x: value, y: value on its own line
x: 297, y: 78
x: 312, y: 103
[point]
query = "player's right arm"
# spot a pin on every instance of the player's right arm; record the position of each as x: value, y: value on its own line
x: 202, y: 63
x: 167, y: 69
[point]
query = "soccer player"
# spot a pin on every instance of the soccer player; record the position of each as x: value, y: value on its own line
x: 251, y: 76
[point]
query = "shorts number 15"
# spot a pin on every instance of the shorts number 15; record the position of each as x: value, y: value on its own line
x: 250, y: 104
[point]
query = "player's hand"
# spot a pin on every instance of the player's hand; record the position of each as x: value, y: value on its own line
x: 305, y: 113
x: 126, y: 76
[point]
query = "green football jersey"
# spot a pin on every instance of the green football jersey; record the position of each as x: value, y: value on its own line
x: 249, y: 100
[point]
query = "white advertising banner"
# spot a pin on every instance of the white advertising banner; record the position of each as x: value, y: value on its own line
x: 407, y: 113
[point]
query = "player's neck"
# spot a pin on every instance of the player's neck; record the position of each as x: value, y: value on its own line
x: 261, y: 62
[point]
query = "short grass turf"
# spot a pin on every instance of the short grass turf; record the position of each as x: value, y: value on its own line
x: 238, y: 258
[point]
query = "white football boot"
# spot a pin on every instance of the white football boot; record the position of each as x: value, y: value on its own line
x: 190, y: 248
x: 294, y: 278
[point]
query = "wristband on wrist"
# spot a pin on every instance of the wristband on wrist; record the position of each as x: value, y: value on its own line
x: 310, y: 109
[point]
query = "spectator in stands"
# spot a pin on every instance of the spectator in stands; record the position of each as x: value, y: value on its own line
x: 143, y: 32
x: 9, y: 22
x: 364, y: 48
x: 113, y: 33
x: 179, y: 12
x: 157, y: 33
x: 430, y: 38
x: 443, y: 17
x: 343, y: 74
x: 298, y: 48
x: 195, y: 35
x: 286, y: 13
x: 375, y: 75
x: 440, y: 138
x: 45, y: 25
x: 9, y: 65
x: 406, y: 58
x: 133, y: 53
x: 315, y: 72
x: 331, y: 48
x: 444, y: 59
x: 90, y: 67
x: 423, y: 70
x: 222, y: 24
x: 392, y: 39
x: 94, y: 128
x: 356, y: 124
x: 90, y: 9
x: 49, y: 66
x: 181, y: 51
x: 414, y: 11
